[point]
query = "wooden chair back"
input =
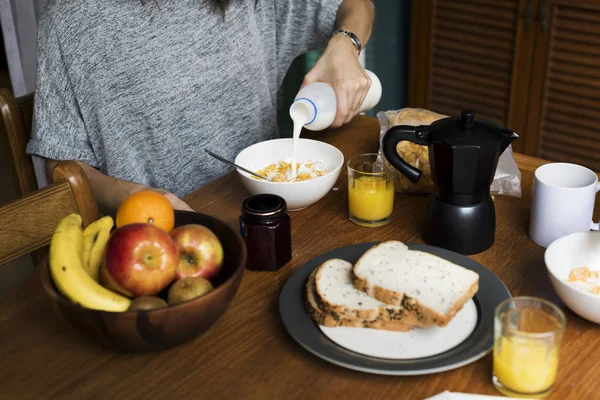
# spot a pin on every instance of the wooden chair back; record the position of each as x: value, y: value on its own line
x: 27, y: 224
x: 16, y: 121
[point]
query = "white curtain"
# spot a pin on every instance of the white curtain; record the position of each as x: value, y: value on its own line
x: 19, y: 28
x: 19, y: 19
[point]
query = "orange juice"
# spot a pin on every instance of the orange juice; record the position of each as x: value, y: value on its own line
x: 527, y: 339
x: 525, y: 365
x: 371, y: 198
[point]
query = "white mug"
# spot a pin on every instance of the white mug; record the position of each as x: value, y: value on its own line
x: 563, y: 202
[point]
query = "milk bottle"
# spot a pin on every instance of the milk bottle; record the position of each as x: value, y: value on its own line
x: 315, y: 106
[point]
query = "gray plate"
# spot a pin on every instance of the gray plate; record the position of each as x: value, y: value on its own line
x: 299, y: 325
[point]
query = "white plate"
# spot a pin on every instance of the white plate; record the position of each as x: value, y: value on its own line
x: 310, y: 336
x: 418, y: 343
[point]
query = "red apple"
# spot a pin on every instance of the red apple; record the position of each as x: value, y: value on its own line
x: 140, y: 260
x: 200, y: 251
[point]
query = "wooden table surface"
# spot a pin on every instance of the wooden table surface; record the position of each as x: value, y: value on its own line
x: 247, y: 353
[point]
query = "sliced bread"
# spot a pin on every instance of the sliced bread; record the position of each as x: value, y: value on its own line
x: 335, y: 292
x: 431, y: 288
x: 332, y: 319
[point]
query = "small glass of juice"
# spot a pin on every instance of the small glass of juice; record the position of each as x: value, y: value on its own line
x: 370, y: 190
x: 527, y: 337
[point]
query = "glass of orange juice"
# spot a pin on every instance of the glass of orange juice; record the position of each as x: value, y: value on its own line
x: 528, y: 332
x: 370, y: 190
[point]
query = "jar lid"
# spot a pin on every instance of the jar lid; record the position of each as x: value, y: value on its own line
x: 265, y: 207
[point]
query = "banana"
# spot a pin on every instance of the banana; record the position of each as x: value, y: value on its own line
x: 95, y: 237
x: 71, y: 279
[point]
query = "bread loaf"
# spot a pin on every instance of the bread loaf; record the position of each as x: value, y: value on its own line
x: 335, y: 292
x: 331, y: 319
x: 429, y: 287
x: 414, y: 154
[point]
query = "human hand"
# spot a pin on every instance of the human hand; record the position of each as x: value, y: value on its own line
x: 177, y: 203
x: 339, y: 67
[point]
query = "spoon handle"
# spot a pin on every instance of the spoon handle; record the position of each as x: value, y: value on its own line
x: 210, y: 153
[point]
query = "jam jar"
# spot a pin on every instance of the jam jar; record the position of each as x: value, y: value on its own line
x: 267, y: 230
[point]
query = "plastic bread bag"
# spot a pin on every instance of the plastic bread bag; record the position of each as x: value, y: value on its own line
x: 507, y: 180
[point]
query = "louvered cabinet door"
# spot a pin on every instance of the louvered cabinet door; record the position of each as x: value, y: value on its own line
x: 565, y: 95
x: 473, y: 54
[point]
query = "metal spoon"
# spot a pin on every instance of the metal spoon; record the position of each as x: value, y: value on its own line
x: 210, y: 153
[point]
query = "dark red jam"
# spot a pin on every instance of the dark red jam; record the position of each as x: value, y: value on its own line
x: 267, y: 230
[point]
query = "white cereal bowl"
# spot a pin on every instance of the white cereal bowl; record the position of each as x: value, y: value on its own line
x: 574, y: 251
x: 297, y: 195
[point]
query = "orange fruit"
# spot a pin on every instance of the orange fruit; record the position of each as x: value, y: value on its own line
x: 147, y: 206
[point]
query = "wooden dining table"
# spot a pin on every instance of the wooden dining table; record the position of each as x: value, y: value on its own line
x: 247, y: 353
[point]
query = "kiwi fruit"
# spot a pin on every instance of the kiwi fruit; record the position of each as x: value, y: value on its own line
x: 188, y: 288
x: 145, y: 303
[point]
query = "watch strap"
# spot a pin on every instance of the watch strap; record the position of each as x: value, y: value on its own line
x: 353, y: 38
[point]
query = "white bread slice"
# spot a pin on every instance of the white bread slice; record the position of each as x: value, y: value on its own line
x: 432, y: 288
x: 332, y: 319
x: 335, y: 292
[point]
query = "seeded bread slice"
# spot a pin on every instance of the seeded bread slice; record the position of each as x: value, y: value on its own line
x: 431, y: 288
x: 332, y: 319
x: 335, y: 292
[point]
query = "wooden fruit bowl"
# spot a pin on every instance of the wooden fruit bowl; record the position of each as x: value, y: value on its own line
x: 159, y: 329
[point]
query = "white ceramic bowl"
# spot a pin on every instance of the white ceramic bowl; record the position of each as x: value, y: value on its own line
x: 297, y: 195
x: 574, y: 251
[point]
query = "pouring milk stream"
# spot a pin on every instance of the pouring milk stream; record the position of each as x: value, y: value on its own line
x: 315, y: 106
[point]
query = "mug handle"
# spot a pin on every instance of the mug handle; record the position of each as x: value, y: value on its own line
x: 415, y: 134
x: 596, y: 226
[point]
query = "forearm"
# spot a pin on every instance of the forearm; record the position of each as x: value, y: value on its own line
x: 339, y: 65
x: 109, y: 192
x: 357, y: 16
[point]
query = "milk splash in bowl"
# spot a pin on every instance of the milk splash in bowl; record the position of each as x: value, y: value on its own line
x: 281, y: 171
x: 300, y: 117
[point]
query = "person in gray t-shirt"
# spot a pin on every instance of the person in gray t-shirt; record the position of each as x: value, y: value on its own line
x: 135, y: 90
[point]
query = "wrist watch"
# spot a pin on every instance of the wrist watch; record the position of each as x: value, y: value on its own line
x: 353, y: 38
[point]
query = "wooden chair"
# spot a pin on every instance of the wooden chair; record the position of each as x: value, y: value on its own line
x: 28, y: 223
x: 16, y: 122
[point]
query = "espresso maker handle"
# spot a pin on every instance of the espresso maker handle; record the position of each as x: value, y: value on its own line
x: 415, y: 134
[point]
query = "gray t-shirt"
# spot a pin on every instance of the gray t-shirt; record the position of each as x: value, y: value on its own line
x: 139, y: 91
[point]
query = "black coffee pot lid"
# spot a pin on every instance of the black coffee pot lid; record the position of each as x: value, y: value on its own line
x: 466, y: 130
